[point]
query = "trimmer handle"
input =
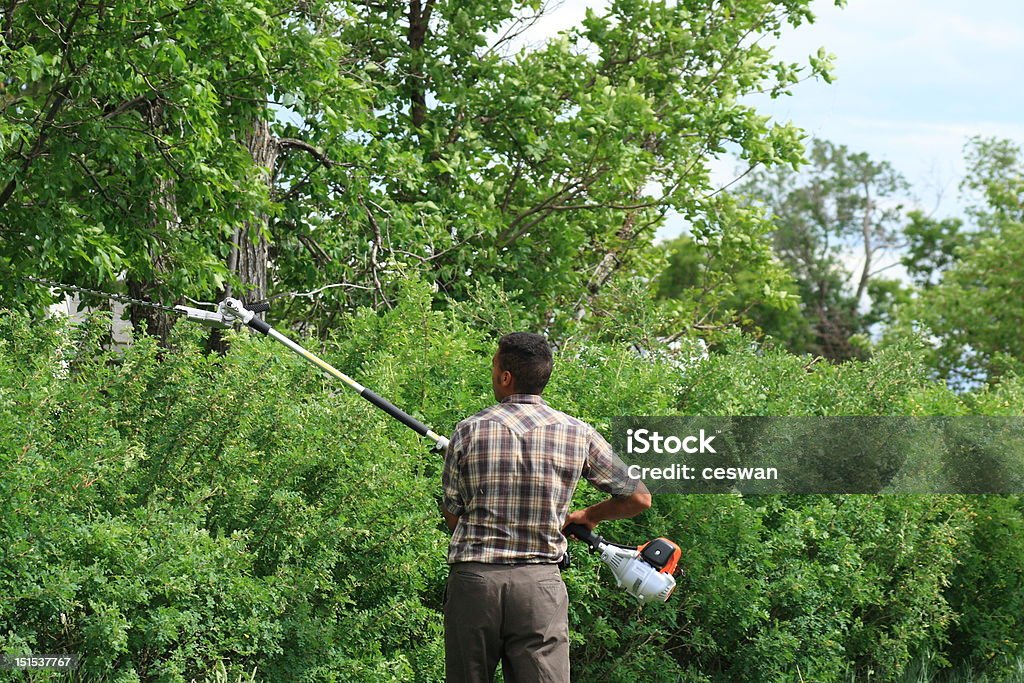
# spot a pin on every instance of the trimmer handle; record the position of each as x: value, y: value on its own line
x: 584, y: 534
x: 259, y: 307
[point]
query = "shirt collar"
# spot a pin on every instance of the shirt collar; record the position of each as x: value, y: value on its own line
x: 524, y: 398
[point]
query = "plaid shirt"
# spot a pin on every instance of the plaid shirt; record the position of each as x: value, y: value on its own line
x: 509, y: 475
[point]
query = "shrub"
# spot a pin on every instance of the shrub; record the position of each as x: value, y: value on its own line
x: 171, y: 515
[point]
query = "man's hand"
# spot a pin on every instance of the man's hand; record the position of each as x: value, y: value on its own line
x: 451, y: 520
x: 580, y: 517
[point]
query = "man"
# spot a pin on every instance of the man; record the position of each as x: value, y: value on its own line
x: 509, y: 475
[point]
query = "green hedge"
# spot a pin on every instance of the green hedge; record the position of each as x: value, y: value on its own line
x: 166, y: 512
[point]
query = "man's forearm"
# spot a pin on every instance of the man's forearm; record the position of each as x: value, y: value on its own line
x: 617, y: 507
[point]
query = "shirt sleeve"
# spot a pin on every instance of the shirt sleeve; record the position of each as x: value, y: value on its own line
x: 450, y: 476
x: 605, y: 470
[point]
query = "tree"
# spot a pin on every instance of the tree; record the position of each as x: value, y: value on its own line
x: 351, y: 145
x: 975, y: 311
x: 543, y: 173
x: 717, y: 288
x: 933, y: 246
x: 842, y: 207
x: 136, y: 139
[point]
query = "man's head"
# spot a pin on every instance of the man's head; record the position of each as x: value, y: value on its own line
x: 522, y: 365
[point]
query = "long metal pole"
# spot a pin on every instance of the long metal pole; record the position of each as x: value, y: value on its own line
x: 238, y: 310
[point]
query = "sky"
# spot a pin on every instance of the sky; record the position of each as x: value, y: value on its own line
x: 914, y: 79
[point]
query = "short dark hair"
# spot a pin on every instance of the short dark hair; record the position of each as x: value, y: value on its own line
x: 528, y: 357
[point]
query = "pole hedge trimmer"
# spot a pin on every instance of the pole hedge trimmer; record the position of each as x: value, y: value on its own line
x: 645, y: 572
x: 229, y: 311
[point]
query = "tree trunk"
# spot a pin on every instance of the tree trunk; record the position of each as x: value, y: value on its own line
x: 865, y: 228
x: 163, y: 208
x: 158, y: 323
x: 249, y: 247
x: 419, y: 23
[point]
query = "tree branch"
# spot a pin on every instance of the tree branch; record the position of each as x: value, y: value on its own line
x: 374, y: 250
x: 9, y: 21
x: 295, y: 143
x: 315, y: 250
x: 310, y: 294
x: 124, y: 106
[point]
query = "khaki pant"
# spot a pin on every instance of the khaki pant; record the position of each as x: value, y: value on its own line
x: 516, y: 614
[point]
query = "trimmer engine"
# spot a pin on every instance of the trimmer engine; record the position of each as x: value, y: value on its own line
x: 645, y: 572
